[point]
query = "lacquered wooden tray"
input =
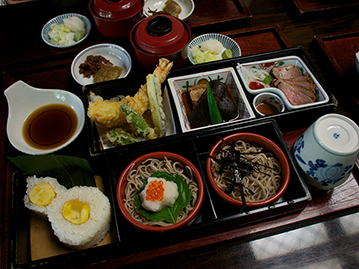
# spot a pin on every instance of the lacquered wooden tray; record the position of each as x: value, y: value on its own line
x: 251, y: 40
x: 207, y: 15
x: 254, y: 40
x: 340, y: 48
x: 316, y: 6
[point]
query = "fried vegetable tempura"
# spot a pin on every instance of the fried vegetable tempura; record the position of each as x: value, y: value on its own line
x: 108, y: 113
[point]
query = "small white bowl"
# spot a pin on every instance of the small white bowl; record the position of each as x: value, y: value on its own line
x: 269, y: 99
x: 60, y: 19
x: 227, y: 42
x: 357, y: 60
x: 115, y: 54
x: 23, y: 100
x: 187, y: 7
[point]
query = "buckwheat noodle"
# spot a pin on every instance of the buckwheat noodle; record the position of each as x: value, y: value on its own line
x: 265, y: 180
x: 145, y: 170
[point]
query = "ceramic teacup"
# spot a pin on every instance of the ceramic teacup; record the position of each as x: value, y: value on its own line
x: 268, y: 103
x: 327, y: 150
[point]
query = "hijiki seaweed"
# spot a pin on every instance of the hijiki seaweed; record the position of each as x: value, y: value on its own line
x: 239, y: 165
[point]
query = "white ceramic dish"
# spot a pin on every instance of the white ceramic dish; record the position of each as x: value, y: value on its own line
x: 23, y: 99
x: 115, y: 54
x: 267, y: 65
x: 59, y: 19
x: 357, y: 61
x: 268, y: 98
x: 226, y: 75
x: 227, y: 42
x: 187, y: 7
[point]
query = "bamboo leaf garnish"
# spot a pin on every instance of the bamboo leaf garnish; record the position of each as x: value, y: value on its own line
x: 69, y: 171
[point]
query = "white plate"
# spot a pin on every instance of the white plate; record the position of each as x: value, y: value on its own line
x: 60, y: 20
x: 267, y: 65
x: 187, y: 7
x: 115, y: 54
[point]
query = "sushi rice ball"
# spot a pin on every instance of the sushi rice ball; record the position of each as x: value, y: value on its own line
x: 40, y: 193
x: 158, y: 194
x: 80, y: 217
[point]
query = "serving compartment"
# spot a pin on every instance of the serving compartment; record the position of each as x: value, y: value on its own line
x: 267, y: 65
x: 180, y: 85
x: 214, y: 211
x: 296, y: 118
x: 98, y: 143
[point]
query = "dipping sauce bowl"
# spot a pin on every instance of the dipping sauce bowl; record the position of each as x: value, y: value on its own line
x: 268, y: 103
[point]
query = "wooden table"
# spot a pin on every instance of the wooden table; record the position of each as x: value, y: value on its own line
x: 259, y: 26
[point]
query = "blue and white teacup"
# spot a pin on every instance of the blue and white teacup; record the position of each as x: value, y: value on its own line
x: 326, y: 152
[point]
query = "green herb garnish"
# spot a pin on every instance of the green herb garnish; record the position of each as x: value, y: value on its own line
x: 168, y: 214
x: 214, y: 113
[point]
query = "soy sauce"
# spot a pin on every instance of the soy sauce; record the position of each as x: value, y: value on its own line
x: 267, y: 109
x: 50, y: 126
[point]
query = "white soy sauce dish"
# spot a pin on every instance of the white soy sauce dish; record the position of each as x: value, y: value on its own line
x: 326, y: 152
x: 40, y: 108
x: 267, y: 103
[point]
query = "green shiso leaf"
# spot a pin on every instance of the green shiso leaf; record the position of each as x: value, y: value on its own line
x: 168, y: 214
x: 69, y: 171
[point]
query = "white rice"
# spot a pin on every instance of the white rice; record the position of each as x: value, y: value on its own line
x: 89, y: 233
x: 42, y: 211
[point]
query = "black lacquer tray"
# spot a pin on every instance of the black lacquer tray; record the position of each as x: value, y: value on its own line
x: 287, y: 120
x: 214, y: 212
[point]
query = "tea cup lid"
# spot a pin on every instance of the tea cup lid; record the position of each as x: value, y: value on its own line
x: 337, y: 134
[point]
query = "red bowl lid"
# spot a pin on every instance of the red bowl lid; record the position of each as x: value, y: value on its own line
x: 117, y: 9
x: 161, y: 34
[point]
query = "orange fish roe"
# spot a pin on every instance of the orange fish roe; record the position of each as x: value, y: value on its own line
x: 155, y: 191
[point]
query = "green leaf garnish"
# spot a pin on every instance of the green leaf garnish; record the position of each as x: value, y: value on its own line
x: 69, y: 171
x: 214, y: 113
x: 168, y: 214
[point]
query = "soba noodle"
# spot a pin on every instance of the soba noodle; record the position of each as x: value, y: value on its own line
x: 145, y: 170
x: 265, y: 181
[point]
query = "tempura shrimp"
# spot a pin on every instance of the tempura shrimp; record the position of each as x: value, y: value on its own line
x: 108, y: 113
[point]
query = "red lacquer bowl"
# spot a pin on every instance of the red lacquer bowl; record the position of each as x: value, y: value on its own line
x: 268, y: 146
x: 160, y: 36
x: 121, y: 185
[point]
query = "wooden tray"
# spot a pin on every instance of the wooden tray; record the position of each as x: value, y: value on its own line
x: 207, y: 15
x: 340, y: 48
x: 255, y: 40
x: 315, y: 6
x: 251, y: 40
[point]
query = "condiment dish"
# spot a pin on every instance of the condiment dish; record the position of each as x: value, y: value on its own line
x: 267, y: 103
x: 59, y: 20
x: 24, y: 99
x: 256, y: 140
x: 117, y: 55
x: 187, y: 7
x: 121, y: 186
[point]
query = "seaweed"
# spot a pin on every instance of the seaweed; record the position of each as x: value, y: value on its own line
x: 240, y: 166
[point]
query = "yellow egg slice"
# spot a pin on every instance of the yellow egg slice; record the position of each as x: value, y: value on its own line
x: 76, y: 211
x: 42, y: 194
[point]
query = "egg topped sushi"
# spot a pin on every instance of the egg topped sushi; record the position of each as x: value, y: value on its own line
x: 40, y: 193
x: 158, y: 193
x: 80, y: 217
